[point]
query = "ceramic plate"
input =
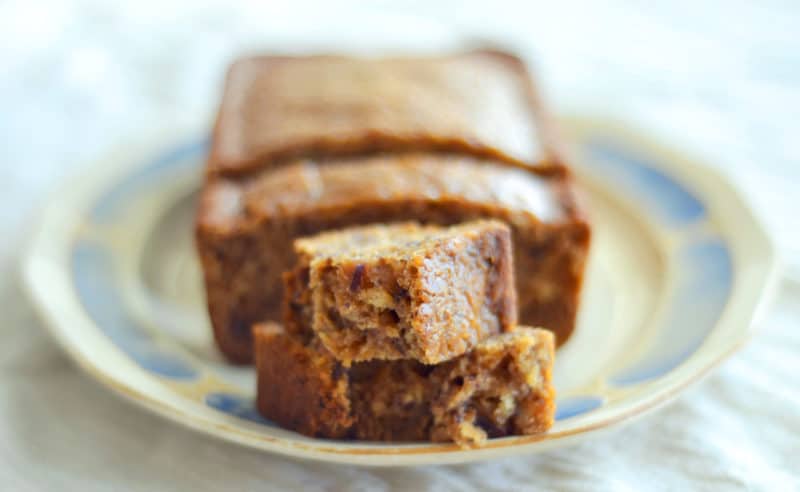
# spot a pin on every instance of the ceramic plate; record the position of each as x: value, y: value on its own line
x: 679, y: 270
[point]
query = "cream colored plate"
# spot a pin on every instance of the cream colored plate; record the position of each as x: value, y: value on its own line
x: 679, y: 269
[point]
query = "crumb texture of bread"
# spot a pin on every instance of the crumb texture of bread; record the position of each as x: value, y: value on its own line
x: 245, y: 230
x: 406, y: 291
x: 391, y: 400
x: 503, y: 387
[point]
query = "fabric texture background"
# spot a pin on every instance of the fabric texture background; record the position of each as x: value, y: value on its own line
x: 80, y: 77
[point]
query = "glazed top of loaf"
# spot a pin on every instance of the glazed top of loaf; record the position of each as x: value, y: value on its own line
x: 304, y: 188
x: 399, y: 240
x: 275, y: 108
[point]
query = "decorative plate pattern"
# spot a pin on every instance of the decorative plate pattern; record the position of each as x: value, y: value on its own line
x: 679, y: 269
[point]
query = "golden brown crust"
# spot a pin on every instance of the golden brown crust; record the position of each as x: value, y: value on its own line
x: 299, y: 388
x: 482, y: 103
x: 405, y: 291
x: 298, y: 307
x: 245, y: 229
x: 503, y: 387
x: 305, y: 186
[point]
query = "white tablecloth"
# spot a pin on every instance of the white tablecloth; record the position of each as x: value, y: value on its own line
x: 721, y: 80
